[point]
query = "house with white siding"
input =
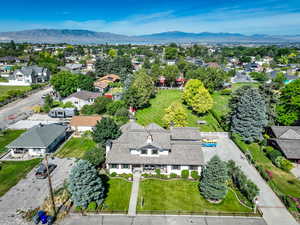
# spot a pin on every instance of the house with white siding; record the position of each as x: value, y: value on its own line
x: 153, y: 147
x: 81, y: 98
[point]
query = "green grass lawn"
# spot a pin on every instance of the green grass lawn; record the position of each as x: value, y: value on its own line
x: 7, y: 137
x: 164, y: 99
x: 13, y: 171
x: 75, y: 148
x: 5, y: 89
x: 118, y: 195
x: 182, y: 195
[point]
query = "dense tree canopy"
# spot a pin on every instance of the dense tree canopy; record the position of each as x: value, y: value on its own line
x: 288, y: 108
x: 248, y: 115
x: 196, y: 96
x: 105, y: 130
x: 85, y: 185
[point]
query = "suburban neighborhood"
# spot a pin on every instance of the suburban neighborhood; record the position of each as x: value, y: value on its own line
x: 168, y: 127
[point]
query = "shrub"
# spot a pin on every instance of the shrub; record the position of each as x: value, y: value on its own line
x: 173, y: 175
x: 195, y: 175
x: 263, y: 173
x: 125, y: 175
x: 272, y: 154
x: 226, y: 92
x: 157, y: 172
x: 92, y: 206
x: 113, y: 174
x: 185, y: 174
x: 283, y: 163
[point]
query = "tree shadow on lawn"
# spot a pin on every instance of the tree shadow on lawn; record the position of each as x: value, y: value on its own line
x: 106, y: 185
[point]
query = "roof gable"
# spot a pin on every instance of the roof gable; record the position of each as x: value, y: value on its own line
x: 290, y: 134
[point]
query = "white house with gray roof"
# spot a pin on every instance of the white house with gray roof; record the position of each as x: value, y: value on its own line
x: 28, y: 75
x: 81, y: 98
x: 38, y: 141
x: 151, y: 147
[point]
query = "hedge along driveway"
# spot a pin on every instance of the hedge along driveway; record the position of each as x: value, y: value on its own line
x: 182, y: 195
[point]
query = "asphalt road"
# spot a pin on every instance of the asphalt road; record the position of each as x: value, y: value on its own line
x: 274, y: 212
x: 159, y: 220
x: 22, y: 106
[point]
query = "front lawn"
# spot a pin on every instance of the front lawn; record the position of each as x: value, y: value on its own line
x: 182, y: 195
x: 5, y: 89
x: 8, y: 136
x: 13, y: 171
x: 75, y: 147
x: 164, y: 99
x: 118, y: 195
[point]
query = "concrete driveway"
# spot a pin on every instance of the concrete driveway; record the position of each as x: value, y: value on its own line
x: 274, y: 212
x: 31, y: 192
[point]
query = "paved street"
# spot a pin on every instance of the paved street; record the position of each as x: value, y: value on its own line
x: 159, y: 220
x: 274, y: 212
x: 31, y: 192
x: 23, y: 105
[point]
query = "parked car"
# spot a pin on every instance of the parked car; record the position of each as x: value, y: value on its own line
x: 41, y: 172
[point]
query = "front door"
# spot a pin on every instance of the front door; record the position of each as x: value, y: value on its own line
x: 136, y: 168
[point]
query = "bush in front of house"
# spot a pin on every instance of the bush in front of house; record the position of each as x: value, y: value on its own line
x: 113, y: 174
x: 173, y: 175
x: 157, y: 172
x: 195, y: 175
x: 185, y: 174
x: 214, y: 177
x: 283, y: 163
x: 272, y: 154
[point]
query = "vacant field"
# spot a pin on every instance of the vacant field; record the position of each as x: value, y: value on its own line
x: 5, y: 89
x: 118, y: 195
x: 182, y: 195
x: 164, y: 99
x: 13, y: 171
x: 7, y: 137
x: 75, y: 148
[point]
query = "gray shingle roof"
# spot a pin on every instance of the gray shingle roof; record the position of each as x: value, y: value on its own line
x: 185, y: 133
x: 281, y: 130
x: 184, y: 150
x: 85, y: 95
x: 38, y: 136
x: 290, y: 148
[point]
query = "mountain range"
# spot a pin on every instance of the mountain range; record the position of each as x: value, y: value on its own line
x: 92, y: 37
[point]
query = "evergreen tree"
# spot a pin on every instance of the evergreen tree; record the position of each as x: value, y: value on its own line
x: 214, y: 177
x: 85, y: 185
x: 197, y: 97
x: 248, y: 115
x: 175, y: 115
x: 105, y: 130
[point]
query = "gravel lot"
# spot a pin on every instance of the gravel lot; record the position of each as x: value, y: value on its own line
x: 31, y: 192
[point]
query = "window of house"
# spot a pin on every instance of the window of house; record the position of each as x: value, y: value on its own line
x: 193, y: 167
x: 144, y: 152
x: 175, y: 167
x: 125, y: 166
x: 114, y: 166
x: 154, y: 152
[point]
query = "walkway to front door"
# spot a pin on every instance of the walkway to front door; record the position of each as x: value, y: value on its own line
x: 134, y: 193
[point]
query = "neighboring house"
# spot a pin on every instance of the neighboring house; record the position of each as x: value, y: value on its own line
x: 81, y: 98
x: 241, y: 77
x: 81, y: 124
x: 288, y: 78
x: 102, y: 83
x: 38, y: 140
x: 287, y: 140
x: 152, y: 147
x: 28, y: 75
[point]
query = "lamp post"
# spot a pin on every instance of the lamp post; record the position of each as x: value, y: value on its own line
x: 255, y: 201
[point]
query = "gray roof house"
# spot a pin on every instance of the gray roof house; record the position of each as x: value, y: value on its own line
x: 29, y: 75
x: 151, y: 147
x: 287, y: 140
x: 81, y: 98
x: 38, y: 140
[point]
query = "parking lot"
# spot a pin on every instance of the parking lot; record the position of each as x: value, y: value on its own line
x: 31, y: 192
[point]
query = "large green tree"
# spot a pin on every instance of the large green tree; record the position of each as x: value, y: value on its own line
x: 248, y: 115
x: 85, y: 185
x: 288, y: 108
x: 175, y: 115
x: 213, y: 182
x: 171, y: 72
x: 95, y: 156
x: 196, y: 96
x: 105, y: 130
x: 141, y: 90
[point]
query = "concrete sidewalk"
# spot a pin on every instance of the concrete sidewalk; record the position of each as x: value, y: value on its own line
x: 134, y: 194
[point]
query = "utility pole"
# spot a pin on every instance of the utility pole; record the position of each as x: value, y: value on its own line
x: 50, y: 186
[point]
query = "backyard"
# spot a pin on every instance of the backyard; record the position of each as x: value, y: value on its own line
x: 182, y: 195
x: 13, y: 171
x: 8, y: 136
x: 118, y: 195
x: 75, y: 147
x: 164, y: 99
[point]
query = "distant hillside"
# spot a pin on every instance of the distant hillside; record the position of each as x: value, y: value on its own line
x: 92, y: 37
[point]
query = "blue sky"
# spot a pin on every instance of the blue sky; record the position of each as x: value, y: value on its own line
x: 134, y: 17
